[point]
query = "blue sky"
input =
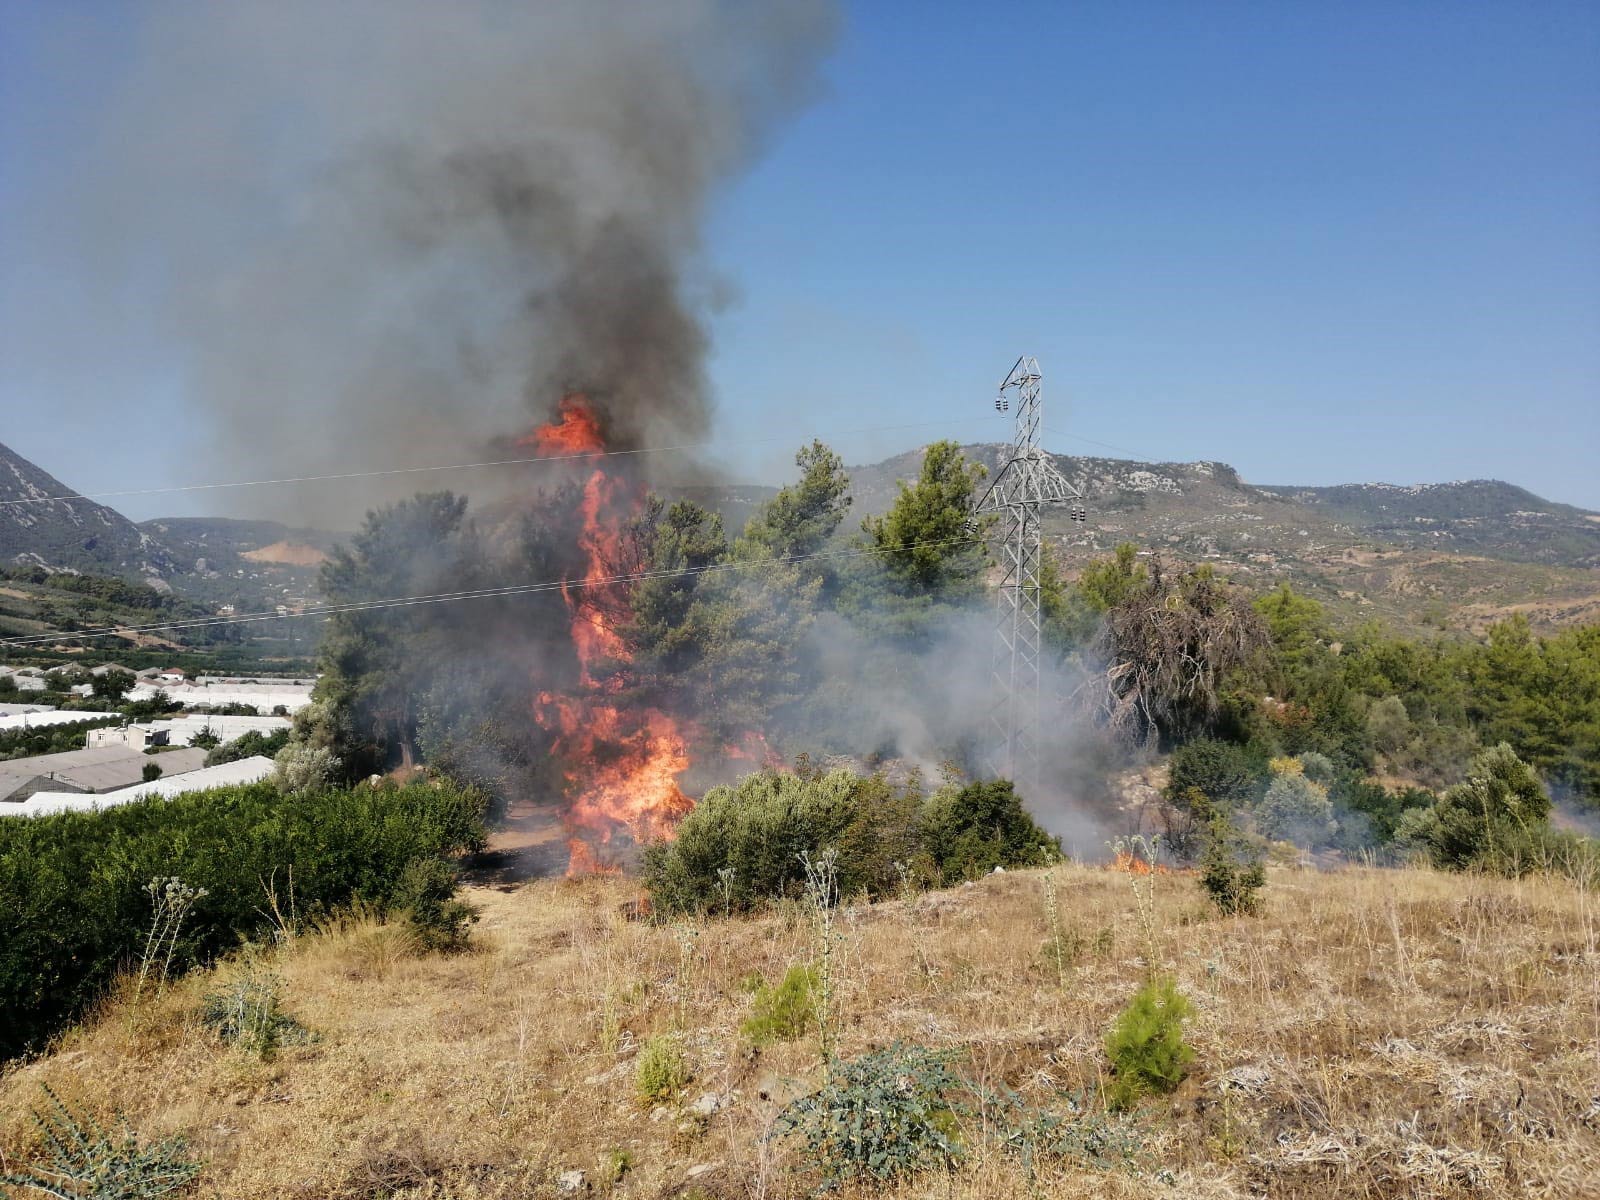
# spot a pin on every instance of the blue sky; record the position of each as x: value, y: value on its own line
x: 1321, y: 242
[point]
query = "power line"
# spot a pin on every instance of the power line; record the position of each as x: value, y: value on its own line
x: 1073, y: 437
x: 502, y: 462
x: 520, y: 589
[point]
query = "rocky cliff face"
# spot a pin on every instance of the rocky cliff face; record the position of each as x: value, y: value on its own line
x: 37, y: 527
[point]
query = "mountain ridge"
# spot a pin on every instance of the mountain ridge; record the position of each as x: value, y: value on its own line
x: 44, y: 523
x: 1480, y: 548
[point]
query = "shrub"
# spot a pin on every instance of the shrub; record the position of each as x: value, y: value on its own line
x: 1224, y: 773
x: 246, y: 1013
x: 96, y: 1164
x: 1389, y: 725
x: 1498, y: 818
x: 249, y: 745
x: 741, y: 845
x: 73, y: 905
x: 881, y: 1115
x: 662, y: 1071
x: 301, y: 767
x: 1296, y: 809
x: 785, y: 1012
x: 426, y: 893
x: 151, y: 772
x: 1318, y: 768
x: 1096, y: 1140
x: 970, y: 831
x: 1146, y: 1045
x: 1231, y: 877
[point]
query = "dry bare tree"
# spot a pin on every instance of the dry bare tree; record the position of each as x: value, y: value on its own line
x: 1167, y: 648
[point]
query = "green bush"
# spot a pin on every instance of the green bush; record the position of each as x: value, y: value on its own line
x: 249, y: 745
x: 881, y: 1115
x: 741, y: 845
x: 246, y: 1012
x: 783, y: 1013
x: 1231, y: 876
x: 73, y: 905
x: 1225, y: 774
x: 1297, y: 809
x: 1146, y: 1045
x: 50, y: 739
x: 426, y: 893
x: 1497, y: 819
x: 970, y: 831
x: 662, y: 1071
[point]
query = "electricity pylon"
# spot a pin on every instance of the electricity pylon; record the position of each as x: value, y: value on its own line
x: 1027, y: 481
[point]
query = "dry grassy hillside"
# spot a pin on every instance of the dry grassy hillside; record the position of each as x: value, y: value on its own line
x: 1374, y: 1034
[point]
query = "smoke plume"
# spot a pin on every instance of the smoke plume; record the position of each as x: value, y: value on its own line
x: 395, y: 232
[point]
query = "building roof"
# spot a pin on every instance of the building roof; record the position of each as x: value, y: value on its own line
x: 48, y: 717
x: 100, y: 769
x: 12, y: 710
x: 245, y: 770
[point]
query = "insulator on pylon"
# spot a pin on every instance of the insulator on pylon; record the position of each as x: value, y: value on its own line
x: 1079, y: 513
x: 1002, y: 404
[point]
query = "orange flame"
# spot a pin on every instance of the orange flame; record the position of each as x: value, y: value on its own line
x: 577, y: 432
x: 1131, y: 864
x: 621, y: 765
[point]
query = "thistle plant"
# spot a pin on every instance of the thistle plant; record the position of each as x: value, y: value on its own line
x: 1147, y: 849
x: 171, y: 901
x: 1052, y: 910
x: 822, y: 895
x: 82, y: 1160
x: 687, y: 936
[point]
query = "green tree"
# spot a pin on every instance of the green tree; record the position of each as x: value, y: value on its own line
x: 801, y: 518
x: 923, y: 541
x: 1496, y: 816
x: 1146, y: 1046
x: 673, y: 546
x: 111, y: 686
x: 374, y: 661
x: 971, y: 830
x: 1072, y: 614
x: 1231, y: 872
x: 1109, y: 582
x: 1223, y: 772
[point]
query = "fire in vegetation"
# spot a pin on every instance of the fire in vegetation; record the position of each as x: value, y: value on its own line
x: 1130, y: 863
x: 620, y: 763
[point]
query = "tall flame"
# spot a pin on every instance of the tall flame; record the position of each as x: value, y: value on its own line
x: 620, y: 764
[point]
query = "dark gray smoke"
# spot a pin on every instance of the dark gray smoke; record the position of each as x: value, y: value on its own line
x: 396, y: 231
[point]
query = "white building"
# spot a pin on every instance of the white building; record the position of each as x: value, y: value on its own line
x: 44, y: 718
x: 291, y: 696
x: 246, y: 770
x: 182, y: 731
x: 94, y: 769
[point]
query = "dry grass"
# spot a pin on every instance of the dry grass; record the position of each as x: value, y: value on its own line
x: 1374, y: 1034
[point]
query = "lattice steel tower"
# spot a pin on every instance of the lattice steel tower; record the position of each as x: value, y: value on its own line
x: 1028, y: 480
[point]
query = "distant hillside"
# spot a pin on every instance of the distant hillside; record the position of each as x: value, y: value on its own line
x: 72, y: 535
x: 1454, y: 554
x: 1482, y: 516
x: 249, y: 564
x: 1450, y: 554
